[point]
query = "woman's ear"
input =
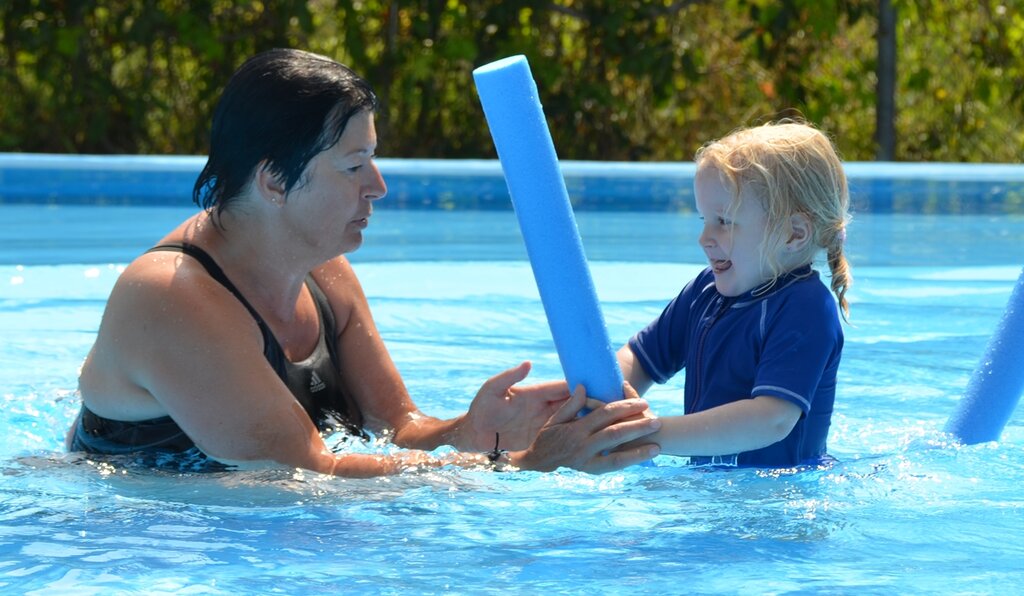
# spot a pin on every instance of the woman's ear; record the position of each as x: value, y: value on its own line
x: 800, y: 232
x: 269, y: 185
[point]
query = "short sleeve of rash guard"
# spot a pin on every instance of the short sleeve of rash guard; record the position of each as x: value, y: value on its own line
x: 802, y: 340
x: 660, y: 347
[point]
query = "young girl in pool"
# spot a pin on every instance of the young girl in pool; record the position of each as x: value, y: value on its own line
x: 757, y: 331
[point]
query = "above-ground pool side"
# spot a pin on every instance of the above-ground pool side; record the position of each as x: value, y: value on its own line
x: 930, y: 188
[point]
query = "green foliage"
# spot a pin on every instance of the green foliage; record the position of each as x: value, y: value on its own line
x: 963, y: 67
x: 619, y: 79
x: 128, y: 76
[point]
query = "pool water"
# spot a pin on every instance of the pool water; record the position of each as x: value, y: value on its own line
x: 904, y: 511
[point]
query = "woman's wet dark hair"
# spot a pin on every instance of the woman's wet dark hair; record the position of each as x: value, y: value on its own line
x: 283, y: 106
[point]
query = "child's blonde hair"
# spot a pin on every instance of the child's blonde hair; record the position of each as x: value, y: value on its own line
x: 793, y: 169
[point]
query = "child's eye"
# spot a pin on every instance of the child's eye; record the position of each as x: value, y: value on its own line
x: 722, y: 221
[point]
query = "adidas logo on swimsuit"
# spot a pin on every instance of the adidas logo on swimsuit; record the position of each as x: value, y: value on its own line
x: 315, y: 383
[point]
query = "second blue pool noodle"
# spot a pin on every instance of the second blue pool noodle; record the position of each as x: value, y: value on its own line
x: 527, y: 155
x: 997, y: 384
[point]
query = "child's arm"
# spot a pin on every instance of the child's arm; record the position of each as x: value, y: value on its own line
x: 632, y: 372
x: 734, y: 427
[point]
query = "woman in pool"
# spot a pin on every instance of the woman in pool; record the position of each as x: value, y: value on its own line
x: 244, y: 334
x: 757, y: 331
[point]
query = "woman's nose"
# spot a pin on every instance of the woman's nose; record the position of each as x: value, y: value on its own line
x: 376, y: 188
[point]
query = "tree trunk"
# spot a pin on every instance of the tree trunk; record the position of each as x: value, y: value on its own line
x: 885, y: 92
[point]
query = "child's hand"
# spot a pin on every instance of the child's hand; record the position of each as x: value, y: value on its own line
x: 627, y: 393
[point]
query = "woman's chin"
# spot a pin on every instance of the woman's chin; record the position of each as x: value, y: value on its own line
x: 351, y: 243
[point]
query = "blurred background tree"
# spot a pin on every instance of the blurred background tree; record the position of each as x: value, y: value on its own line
x: 619, y: 79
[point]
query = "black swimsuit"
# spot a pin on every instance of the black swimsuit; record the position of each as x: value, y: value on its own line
x: 315, y: 382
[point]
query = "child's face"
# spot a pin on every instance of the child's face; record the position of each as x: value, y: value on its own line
x: 732, y: 238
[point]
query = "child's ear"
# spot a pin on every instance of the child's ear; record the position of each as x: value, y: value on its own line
x: 269, y: 185
x: 800, y: 232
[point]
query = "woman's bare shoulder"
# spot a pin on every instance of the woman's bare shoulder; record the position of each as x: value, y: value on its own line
x: 166, y: 301
x: 163, y: 306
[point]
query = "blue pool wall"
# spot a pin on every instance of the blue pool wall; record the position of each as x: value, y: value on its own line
x: 877, y: 187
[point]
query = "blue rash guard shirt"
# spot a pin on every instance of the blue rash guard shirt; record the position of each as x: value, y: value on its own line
x: 784, y: 341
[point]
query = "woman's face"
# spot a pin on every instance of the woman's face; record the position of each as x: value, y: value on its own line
x: 732, y: 237
x: 332, y: 204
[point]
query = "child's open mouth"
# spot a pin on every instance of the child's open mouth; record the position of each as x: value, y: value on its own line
x: 720, y: 266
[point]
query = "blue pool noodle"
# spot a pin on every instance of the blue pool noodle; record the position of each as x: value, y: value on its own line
x: 997, y: 384
x: 527, y: 155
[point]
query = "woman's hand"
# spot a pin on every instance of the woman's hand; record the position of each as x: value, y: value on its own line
x: 514, y: 413
x: 592, y: 443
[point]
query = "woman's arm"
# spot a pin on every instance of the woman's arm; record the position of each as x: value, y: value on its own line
x: 514, y: 412
x: 175, y: 342
x: 370, y: 374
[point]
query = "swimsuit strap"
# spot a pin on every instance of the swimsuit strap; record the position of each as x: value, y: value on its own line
x: 216, y: 273
x: 327, y: 321
x: 271, y: 347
